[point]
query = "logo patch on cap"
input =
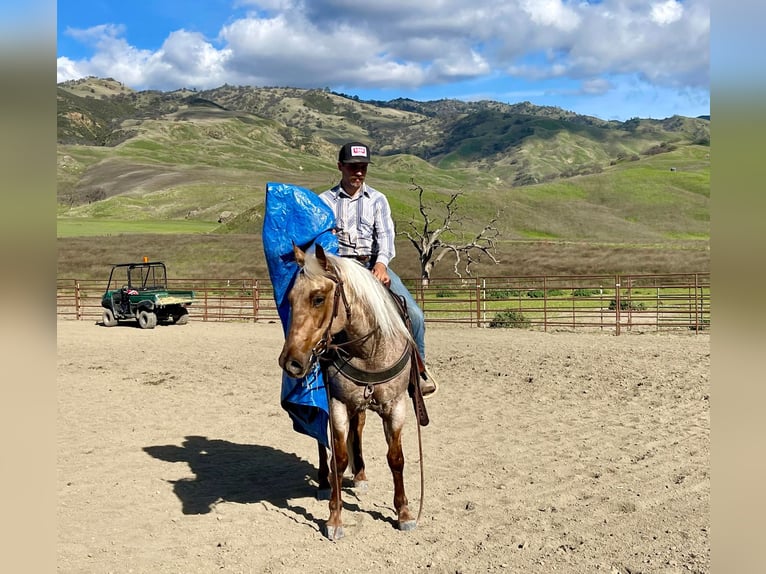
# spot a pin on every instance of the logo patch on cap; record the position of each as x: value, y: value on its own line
x: 358, y: 151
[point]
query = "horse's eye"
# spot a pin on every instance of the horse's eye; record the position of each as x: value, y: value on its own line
x: 318, y: 301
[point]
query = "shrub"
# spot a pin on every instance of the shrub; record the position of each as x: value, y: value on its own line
x: 584, y: 292
x: 442, y: 292
x: 703, y: 325
x: 513, y: 319
x: 540, y: 293
x: 502, y: 293
x: 626, y: 305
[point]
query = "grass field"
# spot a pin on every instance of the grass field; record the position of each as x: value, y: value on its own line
x: 93, y: 227
x: 237, y: 255
x: 644, y: 214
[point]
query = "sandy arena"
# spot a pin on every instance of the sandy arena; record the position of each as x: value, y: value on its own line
x: 558, y: 451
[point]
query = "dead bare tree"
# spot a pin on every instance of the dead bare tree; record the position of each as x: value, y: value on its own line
x: 427, y: 237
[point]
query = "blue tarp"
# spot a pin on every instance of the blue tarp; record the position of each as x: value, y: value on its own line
x: 297, y: 215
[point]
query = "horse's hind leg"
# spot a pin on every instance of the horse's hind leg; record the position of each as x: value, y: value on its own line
x: 323, y: 480
x: 355, y: 451
x: 393, y: 429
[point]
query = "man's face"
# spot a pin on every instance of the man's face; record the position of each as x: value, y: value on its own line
x: 353, y: 175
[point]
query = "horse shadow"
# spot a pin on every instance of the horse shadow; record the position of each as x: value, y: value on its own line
x: 227, y: 471
x: 243, y: 473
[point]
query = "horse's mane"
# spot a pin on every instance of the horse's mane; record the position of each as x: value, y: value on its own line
x: 364, y: 289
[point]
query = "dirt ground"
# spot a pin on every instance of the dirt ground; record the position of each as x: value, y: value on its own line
x: 567, y: 452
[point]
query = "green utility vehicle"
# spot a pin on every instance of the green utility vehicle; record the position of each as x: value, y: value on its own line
x: 139, y: 291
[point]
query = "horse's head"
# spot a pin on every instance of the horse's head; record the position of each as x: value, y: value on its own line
x: 315, y: 310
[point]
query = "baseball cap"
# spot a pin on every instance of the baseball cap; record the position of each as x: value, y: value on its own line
x: 354, y: 152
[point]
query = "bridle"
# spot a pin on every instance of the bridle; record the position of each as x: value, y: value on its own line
x: 325, y: 342
x: 331, y: 352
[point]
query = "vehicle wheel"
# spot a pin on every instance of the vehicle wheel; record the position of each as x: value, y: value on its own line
x: 147, y: 319
x: 107, y: 318
x: 181, y: 318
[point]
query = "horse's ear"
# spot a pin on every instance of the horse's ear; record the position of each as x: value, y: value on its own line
x: 321, y: 257
x: 300, y: 256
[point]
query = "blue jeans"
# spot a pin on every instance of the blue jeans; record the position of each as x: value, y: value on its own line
x: 416, y: 313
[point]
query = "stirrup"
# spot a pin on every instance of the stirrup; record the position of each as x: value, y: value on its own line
x: 428, y: 385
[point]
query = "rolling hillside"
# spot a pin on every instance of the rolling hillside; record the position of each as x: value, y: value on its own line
x: 556, y: 178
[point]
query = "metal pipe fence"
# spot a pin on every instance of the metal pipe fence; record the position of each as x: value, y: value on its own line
x: 602, y: 302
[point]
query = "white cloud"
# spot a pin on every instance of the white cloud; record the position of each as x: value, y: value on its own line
x: 552, y: 13
x: 667, y: 12
x: 99, y: 35
x: 66, y: 69
x: 186, y: 59
x: 401, y: 44
x: 113, y: 57
x: 596, y: 86
x: 458, y: 66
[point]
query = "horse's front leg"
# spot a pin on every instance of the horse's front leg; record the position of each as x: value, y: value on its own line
x: 392, y: 426
x: 339, y: 417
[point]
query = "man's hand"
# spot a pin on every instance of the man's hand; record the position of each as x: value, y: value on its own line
x: 381, y: 272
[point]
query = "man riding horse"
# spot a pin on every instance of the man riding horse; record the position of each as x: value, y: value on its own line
x: 365, y: 232
x: 354, y: 339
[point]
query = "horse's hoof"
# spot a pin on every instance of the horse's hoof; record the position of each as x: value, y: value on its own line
x: 334, y: 532
x: 408, y: 525
x: 324, y: 493
x: 360, y: 486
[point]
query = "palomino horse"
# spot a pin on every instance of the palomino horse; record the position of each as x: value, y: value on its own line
x: 344, y: 317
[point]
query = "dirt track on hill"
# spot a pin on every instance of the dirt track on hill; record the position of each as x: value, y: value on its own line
x: 574, y: 453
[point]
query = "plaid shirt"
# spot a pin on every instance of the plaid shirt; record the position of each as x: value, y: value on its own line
x: 363, y: 223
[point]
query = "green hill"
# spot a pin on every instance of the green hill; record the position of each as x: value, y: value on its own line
x: 198, y: 162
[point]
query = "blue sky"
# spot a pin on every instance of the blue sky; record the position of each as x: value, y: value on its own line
x: 613, y: 59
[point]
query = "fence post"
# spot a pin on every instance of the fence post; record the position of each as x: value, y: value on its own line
x: 256, y: 300
x: 657, y: 305
x: 617, y: 303
x: 545, y: 304
x: 477, y: 286
x: 204, y: 287
x: 77, y: 310
x: 696, y: 306
x: 601, y: 306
